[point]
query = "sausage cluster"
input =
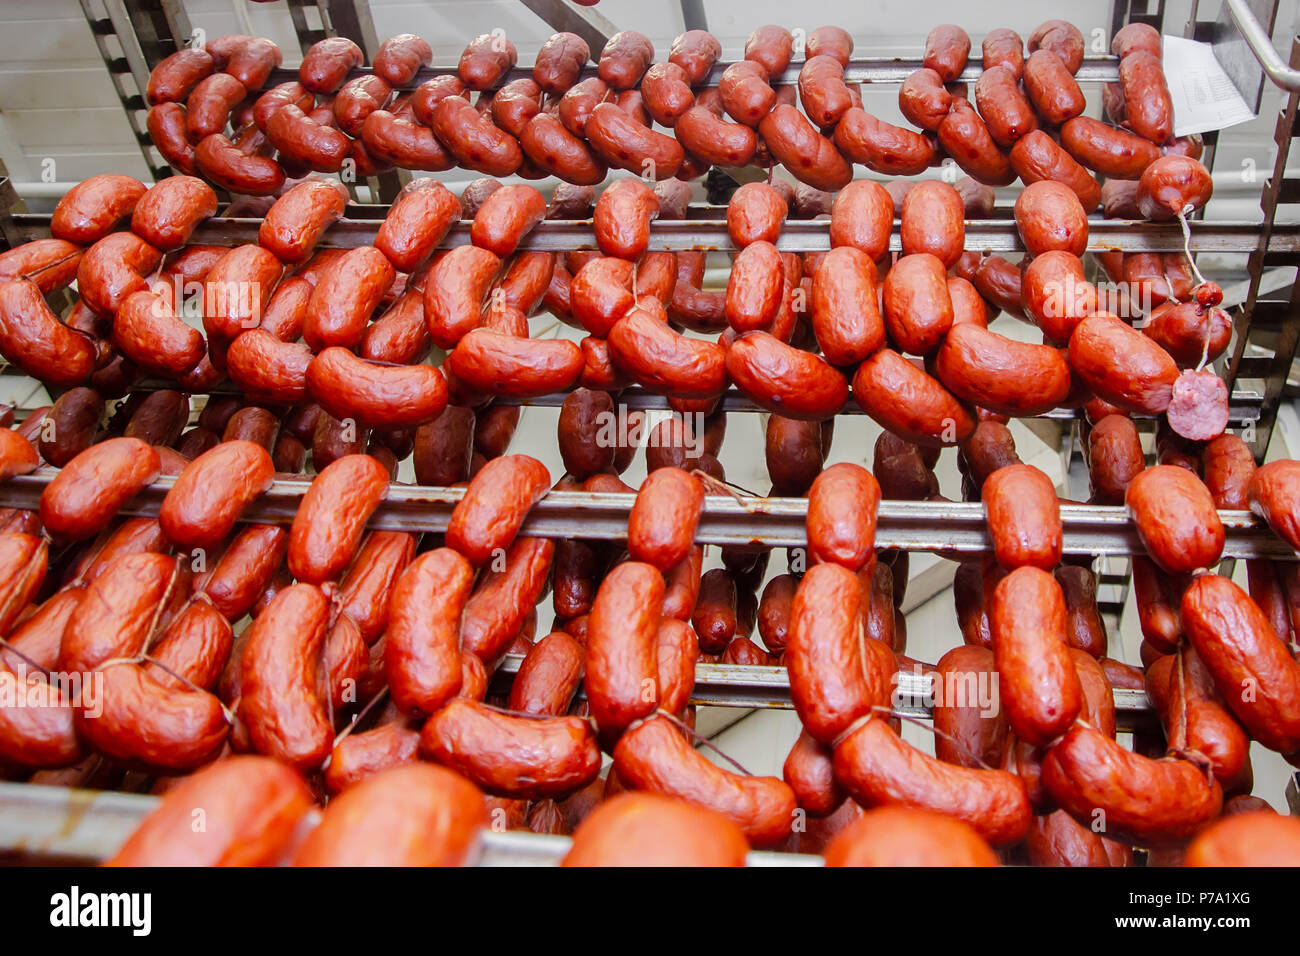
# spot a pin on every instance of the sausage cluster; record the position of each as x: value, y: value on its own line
x: 212, y: 115
x: 253, y: 667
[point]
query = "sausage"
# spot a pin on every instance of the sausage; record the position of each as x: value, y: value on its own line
x: 554, y: 149
x: 785, y: 380
x: 1194, y: 716
x: 559, y: 62
x: 745, y: 93
x: 1189, y: 331
x: 841, y: 521
x: 655, y: 756
x: 149, y: 333
x: 93, y: 486
x: 93, y: 207
x: 624, y: 143
x: 207, y: 499
x: 1176, y: 518
x: 970, y: 728
x: 473, y: 140
x: 883, y: 147
x: 503, y: 603
x: 1049, y: 218
x: 280, y: 703
x: 1000, y: 374
x: 114, y: 268
x: 1149, y: 111
x: 900, y: 836
x: 1106, y: 149
x: 485, y: 61
x: 876, y: 766
x: 965, y: 138
x: 231, y: 167
x: 548, y: 676
x: 1037, y: 681
x: 331, y: 518
x: 933, y: 222
x: 822, y: 91
x: 455, y: 291
x: 663, y: 519
x: 754, y: 287
x: 1150, y: 802
x: 836, y: 675
x: 1141, y: 381
x: 345, y: 297
x: 1251, y: 665
x: 1262, y: 838
x: 918, y: 309
x: 1056, y: 294
x: 622, y: 655
x: 400, y: 58
x: 495, y: 505
x: 34, y: 340
x: 923, y: 100
x: 49, y: 263
x: 907, y: 401
x: 308, y: 143
x: 1173, y: 185
x: 646, y: 829
x: 515, y: 104
x: 1198, y: 405
x: 1228, y: 466
x: 1051, y: 87
x: 237, y: 289
x: 756, y: 212
x: 643, y: 345
x: 811, y: 157
x: 252, y: 809
x: 622, y: 218
x: 118, y: 610
x: 1062, y: 38
x: 807, y: 769
x: 397, y: 140
x: 771, y: 47
x: 512, y: 756
x: 1023, y: 516
x: 1003, y: 47
x: 625, y: 57
x: 297, y: 220
x: 412, y: 815
x: 168, y: 212
x: 373, y: 394
x: 1005, y: 110
x: 1036, y: 157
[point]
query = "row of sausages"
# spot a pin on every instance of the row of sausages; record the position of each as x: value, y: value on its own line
x: 285, y: 322
x: 1024, y: 118
x: 636, y: 657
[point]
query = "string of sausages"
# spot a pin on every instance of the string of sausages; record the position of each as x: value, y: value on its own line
x: 542, y: 126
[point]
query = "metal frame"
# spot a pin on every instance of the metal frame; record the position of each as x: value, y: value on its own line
x: 146, y: 33
x: 45, y: 816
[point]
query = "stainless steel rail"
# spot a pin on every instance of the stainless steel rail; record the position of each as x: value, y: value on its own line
x: 93, y: 824
x: 564, y: 235
x: 949, y: 528
x: 878, y: 70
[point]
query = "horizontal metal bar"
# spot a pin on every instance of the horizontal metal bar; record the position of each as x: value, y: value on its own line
x: 93, y: 824
x: 798, y: 235
x: 947, y: 528
x: 768, y: 688
x: 880, y: 70
x: 1243, y: 406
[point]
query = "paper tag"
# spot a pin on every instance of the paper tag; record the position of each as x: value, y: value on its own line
x: 1203, y: 96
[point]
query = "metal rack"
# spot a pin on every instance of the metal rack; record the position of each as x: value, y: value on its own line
x: 1264, y: 345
